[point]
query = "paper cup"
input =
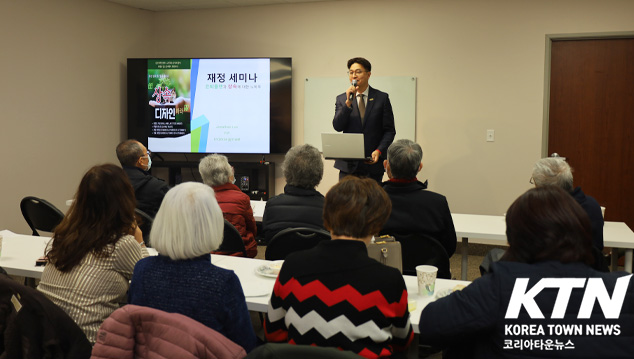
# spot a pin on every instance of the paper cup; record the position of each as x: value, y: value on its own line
x: 426, y: 279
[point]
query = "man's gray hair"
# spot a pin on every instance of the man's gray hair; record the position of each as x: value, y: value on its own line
x: 552, y: 171
x: 189, y: 222
x: 215, y: 170
x: 404, y: 157
x: 303, y: 166
x: 128, y: 152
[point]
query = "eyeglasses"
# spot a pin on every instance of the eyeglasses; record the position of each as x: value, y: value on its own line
x: 358, y: 72
x: 531, y: 181
x: 149, y: 153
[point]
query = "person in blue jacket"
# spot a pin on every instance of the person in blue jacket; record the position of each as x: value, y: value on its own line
x: 182, y: 279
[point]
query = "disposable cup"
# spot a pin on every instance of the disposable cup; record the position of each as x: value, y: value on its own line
x: 426, y: 279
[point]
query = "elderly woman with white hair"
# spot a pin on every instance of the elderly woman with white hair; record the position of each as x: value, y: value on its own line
x: 555, y: 171
x: 182, y: 279
x: 235, y: 204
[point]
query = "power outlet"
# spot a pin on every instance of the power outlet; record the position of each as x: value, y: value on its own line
x: 490, y: 135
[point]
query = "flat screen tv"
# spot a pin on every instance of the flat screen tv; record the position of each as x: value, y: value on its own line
x: 210, y: 105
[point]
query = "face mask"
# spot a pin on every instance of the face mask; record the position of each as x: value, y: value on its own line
x: 149, y: 163
x: 234, y: 180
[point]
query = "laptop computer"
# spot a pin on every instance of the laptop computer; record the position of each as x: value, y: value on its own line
x: 343, y: 146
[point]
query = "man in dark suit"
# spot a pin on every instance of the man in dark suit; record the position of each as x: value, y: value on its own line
x: 363, y: 109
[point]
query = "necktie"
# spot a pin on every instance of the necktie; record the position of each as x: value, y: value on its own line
x: 361, y: 107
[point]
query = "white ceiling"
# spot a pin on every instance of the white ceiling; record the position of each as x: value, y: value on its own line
x: 173, y: 5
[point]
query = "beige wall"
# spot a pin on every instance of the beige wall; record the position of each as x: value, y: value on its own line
x: 479, y: 64
x: 63, y: 83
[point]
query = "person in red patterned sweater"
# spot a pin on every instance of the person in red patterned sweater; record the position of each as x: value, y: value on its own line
x: 334, y: 295
x: 235, y: 204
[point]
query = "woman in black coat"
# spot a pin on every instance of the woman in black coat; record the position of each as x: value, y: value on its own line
x: 542, y: 298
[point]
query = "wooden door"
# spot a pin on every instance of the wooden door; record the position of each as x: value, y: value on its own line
x: 591, y: 119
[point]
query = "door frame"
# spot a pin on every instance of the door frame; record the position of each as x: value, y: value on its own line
x: 549, y: 42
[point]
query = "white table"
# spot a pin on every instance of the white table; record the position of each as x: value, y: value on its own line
x: 255, y: 285
x: 492, y: 230
x: 258, y: 209
x: 480, y: 229
x: 619, y: 235
x: 19, y: 253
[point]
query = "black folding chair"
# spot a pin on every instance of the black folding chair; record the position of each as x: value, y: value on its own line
x: 292, y: 240
x: 144, y: 221
x: 40, y: 214
x: 232, y: 243
x: 421, y: 249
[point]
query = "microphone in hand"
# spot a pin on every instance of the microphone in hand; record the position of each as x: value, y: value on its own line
x: 354, y: 83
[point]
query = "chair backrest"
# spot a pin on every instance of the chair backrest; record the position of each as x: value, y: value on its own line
x: 36, y: 327
x: 294, y: 239
x: 420, y: 249
x: 145, y: 224
x: 232, y: 243
x: 40, y: 214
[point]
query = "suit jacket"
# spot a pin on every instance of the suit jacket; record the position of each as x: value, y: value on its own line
x: 377, y: 128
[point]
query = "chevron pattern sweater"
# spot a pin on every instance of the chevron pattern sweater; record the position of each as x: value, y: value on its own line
x: 334, y: 295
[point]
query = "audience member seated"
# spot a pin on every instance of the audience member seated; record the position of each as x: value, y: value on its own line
x: 415, y: 210
x: 181, y: 279
x: 235, y: 204
x: 136, y: 162
x: 334, y: 295
x: 94, y: 249
x: 550, y: 246
x: 556, y: 171
x: 300, y: 205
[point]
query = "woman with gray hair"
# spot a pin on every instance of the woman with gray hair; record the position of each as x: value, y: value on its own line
x: 552, y: 171
x: 235, y: 204
x: 555, y: 171
x: 182, y: 279
x: 301, y: 205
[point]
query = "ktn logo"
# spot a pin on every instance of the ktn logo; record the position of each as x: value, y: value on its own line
x: 595, y: 291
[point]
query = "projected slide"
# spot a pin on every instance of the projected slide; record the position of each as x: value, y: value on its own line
x: 210, y: 105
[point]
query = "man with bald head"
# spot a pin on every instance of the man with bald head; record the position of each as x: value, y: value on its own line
x: 136, y: 162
